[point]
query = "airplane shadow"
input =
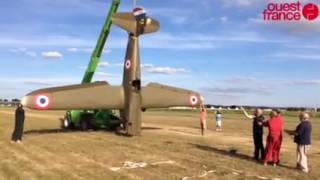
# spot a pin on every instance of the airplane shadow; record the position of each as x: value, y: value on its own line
x: 48, y: 131
x: 123, y: 134
x: 233, y: 153
x: 61, y: 131
x: 151, y: 128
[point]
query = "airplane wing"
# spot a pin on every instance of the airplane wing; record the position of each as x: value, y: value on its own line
x: 98, y: 95
x: 161, y: 96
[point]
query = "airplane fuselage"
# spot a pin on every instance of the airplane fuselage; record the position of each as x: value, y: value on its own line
x: 132, y: 87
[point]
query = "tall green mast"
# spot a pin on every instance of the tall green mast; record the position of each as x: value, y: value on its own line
x: 95, y: 57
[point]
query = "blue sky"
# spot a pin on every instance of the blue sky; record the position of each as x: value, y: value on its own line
x: 221, y: 48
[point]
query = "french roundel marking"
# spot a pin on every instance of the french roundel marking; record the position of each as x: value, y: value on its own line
x: 128, y: 64
x: 42, y: 101
x: 194, y: 100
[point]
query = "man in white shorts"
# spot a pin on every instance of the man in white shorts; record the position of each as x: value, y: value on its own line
x: 219, y: 121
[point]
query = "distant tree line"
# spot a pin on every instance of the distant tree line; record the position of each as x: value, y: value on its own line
x: 236, y: 107
x: 7, y: 102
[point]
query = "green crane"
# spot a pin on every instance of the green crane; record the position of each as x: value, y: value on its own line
x: 95, y: 58
x: 94, y: 118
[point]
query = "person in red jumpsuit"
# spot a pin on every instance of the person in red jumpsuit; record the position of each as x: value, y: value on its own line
x: 274, y: 139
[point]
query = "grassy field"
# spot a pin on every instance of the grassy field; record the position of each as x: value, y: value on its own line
x: 170, y: 147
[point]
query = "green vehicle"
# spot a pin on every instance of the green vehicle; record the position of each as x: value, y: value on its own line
x: 94, y: 119
x: 91, y: 119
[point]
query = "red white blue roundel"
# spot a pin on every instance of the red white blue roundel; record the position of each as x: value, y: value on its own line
x: 42, y: 101
x: 128, y: 64
x: 194, y: 100
x: 139, y: 13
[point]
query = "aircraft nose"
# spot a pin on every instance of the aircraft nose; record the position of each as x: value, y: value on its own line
x: 39, y: 101
x: 26, y: 101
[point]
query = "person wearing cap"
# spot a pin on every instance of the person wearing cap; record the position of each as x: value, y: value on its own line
x: 274, y: 139
x: 257, y: 131
x: 303, y: 140
x: 203, y: 119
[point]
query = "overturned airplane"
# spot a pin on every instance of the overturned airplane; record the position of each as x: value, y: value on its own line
x: 129, y: 98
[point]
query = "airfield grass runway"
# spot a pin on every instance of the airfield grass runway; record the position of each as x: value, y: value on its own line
x: 170, y: 147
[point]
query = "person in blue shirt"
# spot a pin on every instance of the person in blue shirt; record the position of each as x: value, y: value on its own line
x: 303, y: 140
x: 219, y: 121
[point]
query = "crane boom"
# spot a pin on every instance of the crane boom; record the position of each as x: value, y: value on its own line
x: 95, y: 57
x: 76, y: 118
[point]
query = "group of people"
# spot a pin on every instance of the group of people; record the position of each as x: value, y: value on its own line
x: 203, y: 120
x: 271, y: 152
x: 274, y: 139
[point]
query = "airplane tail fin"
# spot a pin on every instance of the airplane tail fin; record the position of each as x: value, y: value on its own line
x: 136, y: 23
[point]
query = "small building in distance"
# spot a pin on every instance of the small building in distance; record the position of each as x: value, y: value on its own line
x: 9, y: 103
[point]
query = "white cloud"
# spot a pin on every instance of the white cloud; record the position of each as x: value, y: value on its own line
x: 238, y: 90
x: 176, y: 16
x: 224, y: 19
x: 24, y: 51
x: 31, y: 54
x: 80, y: 50
x: 304, y: 82
x: 40, y: 41
x: 302, y: 46
x: 179, y: 19
x: 162, y: 70
x: 207, y: 21
x: 104, y: 64
x: 52, y: 55
x: 73, y: 49
x: 166, y: 70
x: 16, y: 50
x: 39, y: 81
x: 147, y: 65
x: 239, y: 3
x: 179, y: 41
x: 87, y: 50
x: 227, y: 96
x: 197, y: 41
x: 296, y: 56
x: 82, y: 67
x: 298, y: 27
x: 107, y: 75
x: 241, y: 79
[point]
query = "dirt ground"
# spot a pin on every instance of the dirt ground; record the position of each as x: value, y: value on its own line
x: 170, y: 147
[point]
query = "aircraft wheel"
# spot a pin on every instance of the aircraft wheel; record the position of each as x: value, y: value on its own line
x: 66, y: 123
